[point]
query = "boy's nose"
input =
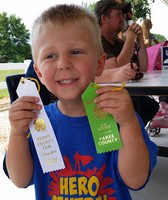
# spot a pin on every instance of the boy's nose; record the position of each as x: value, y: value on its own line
x: 63, y: 63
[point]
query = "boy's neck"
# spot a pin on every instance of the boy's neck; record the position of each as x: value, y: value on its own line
x: 75, y: 109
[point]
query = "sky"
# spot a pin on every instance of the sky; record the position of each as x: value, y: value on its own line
x: 159, y: 16
x: 28, y: 10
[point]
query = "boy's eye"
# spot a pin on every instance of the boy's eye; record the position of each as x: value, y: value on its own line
x: 50, y: 56
x: 76, y: 52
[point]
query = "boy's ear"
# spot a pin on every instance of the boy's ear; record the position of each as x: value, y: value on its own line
x: 36, y: 69
x: 101, y: 64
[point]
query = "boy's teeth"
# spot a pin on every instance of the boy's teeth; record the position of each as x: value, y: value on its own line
x: 67, y: 81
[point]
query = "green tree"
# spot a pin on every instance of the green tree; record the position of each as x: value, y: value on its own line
x: 90, y: 5
x: 160, y: 38
x: 141, y: 8
x: 14, y: 39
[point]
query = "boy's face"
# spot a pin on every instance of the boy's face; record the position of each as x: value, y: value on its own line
x: 67, y: 60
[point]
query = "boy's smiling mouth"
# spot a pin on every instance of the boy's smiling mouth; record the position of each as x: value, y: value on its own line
x: 67, y: 81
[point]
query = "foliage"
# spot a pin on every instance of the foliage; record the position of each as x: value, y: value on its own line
x: 140, y: 8
x: 90, y: 6
x: 160, y: 38
x: 14, y: 39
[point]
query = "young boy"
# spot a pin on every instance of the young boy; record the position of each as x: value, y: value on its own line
x: 68, y: 55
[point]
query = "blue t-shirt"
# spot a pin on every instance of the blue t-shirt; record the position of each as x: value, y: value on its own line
x: 87, y: 175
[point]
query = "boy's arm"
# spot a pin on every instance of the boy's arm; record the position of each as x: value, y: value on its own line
x: 18, y: 158
x: 133, y: 160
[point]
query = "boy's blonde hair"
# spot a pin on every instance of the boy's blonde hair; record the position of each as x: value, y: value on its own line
x: 65, y: 15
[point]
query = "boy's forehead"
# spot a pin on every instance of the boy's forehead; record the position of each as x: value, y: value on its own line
x: 84, y: 29
x: 70, y: 30
x: 84, y: 26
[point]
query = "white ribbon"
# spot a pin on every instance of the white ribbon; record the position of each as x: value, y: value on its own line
x: 42, y: 132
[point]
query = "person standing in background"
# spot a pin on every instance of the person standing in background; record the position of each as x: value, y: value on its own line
x: 149, y: 38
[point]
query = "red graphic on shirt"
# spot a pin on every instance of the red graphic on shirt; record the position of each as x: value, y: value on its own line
x: 83, y: 159
x: 68, y: 183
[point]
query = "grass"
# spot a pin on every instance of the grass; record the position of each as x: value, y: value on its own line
x: 4, y: 93
x: 3, y: 73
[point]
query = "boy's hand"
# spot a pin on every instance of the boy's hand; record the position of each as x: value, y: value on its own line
x: 22, y: 112
x: 117, y: 103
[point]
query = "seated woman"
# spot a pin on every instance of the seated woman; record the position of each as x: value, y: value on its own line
x: 149, y: 38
